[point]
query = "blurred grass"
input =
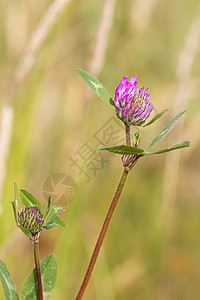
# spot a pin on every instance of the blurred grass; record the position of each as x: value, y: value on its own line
x: 138, y: 260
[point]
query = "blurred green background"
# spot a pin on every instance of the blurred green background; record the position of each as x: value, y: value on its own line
x: 152, y: 248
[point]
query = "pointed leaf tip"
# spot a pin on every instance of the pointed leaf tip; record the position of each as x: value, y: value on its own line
x: 30, y: 200
x: 175, y: 147
x: 165, y: 130
x: 48, y: 207
x: 15, y: 203
x: 96, y: 86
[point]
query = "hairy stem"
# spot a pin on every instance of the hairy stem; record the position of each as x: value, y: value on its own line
x: 128, y: 135
x: 37, y: 268
x: 102, y: 235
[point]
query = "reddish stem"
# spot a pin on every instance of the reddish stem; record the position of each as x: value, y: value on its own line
x: 37, y: 268
x: 102, y: 235
x: 106, y: 222
x: 128, y: 134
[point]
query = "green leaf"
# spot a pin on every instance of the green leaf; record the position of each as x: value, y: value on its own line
x: 53, y: 214
x: 178, y: 146
x: 165, y: 130
x: 121, y: 149
x: 30, y: 200
x: 97, y: 87
x: 15, y: 203
x: 7, y: 283
x: 48, y: 267
x: 48, y: 208
x: 158, y: 116
x: 136, y: 139
x: 26, y: 232
x: 56, y: 223
x: 16, y: 198
x: 15, y: 212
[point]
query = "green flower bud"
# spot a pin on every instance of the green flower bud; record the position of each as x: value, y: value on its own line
x: 31, y: 219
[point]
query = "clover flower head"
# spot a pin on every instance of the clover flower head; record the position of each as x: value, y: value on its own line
x: 31, y: 219
x: 133, y: 105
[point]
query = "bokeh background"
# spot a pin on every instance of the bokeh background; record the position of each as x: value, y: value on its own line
x: 152, y: 248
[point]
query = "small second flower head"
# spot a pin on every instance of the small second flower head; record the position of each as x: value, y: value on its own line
x: 133, y: 105
x: 31, y: 219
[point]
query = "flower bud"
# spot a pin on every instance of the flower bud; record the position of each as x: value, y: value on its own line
x: 133, y: 105
x: 129, y: 160
x: 31, y: 219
